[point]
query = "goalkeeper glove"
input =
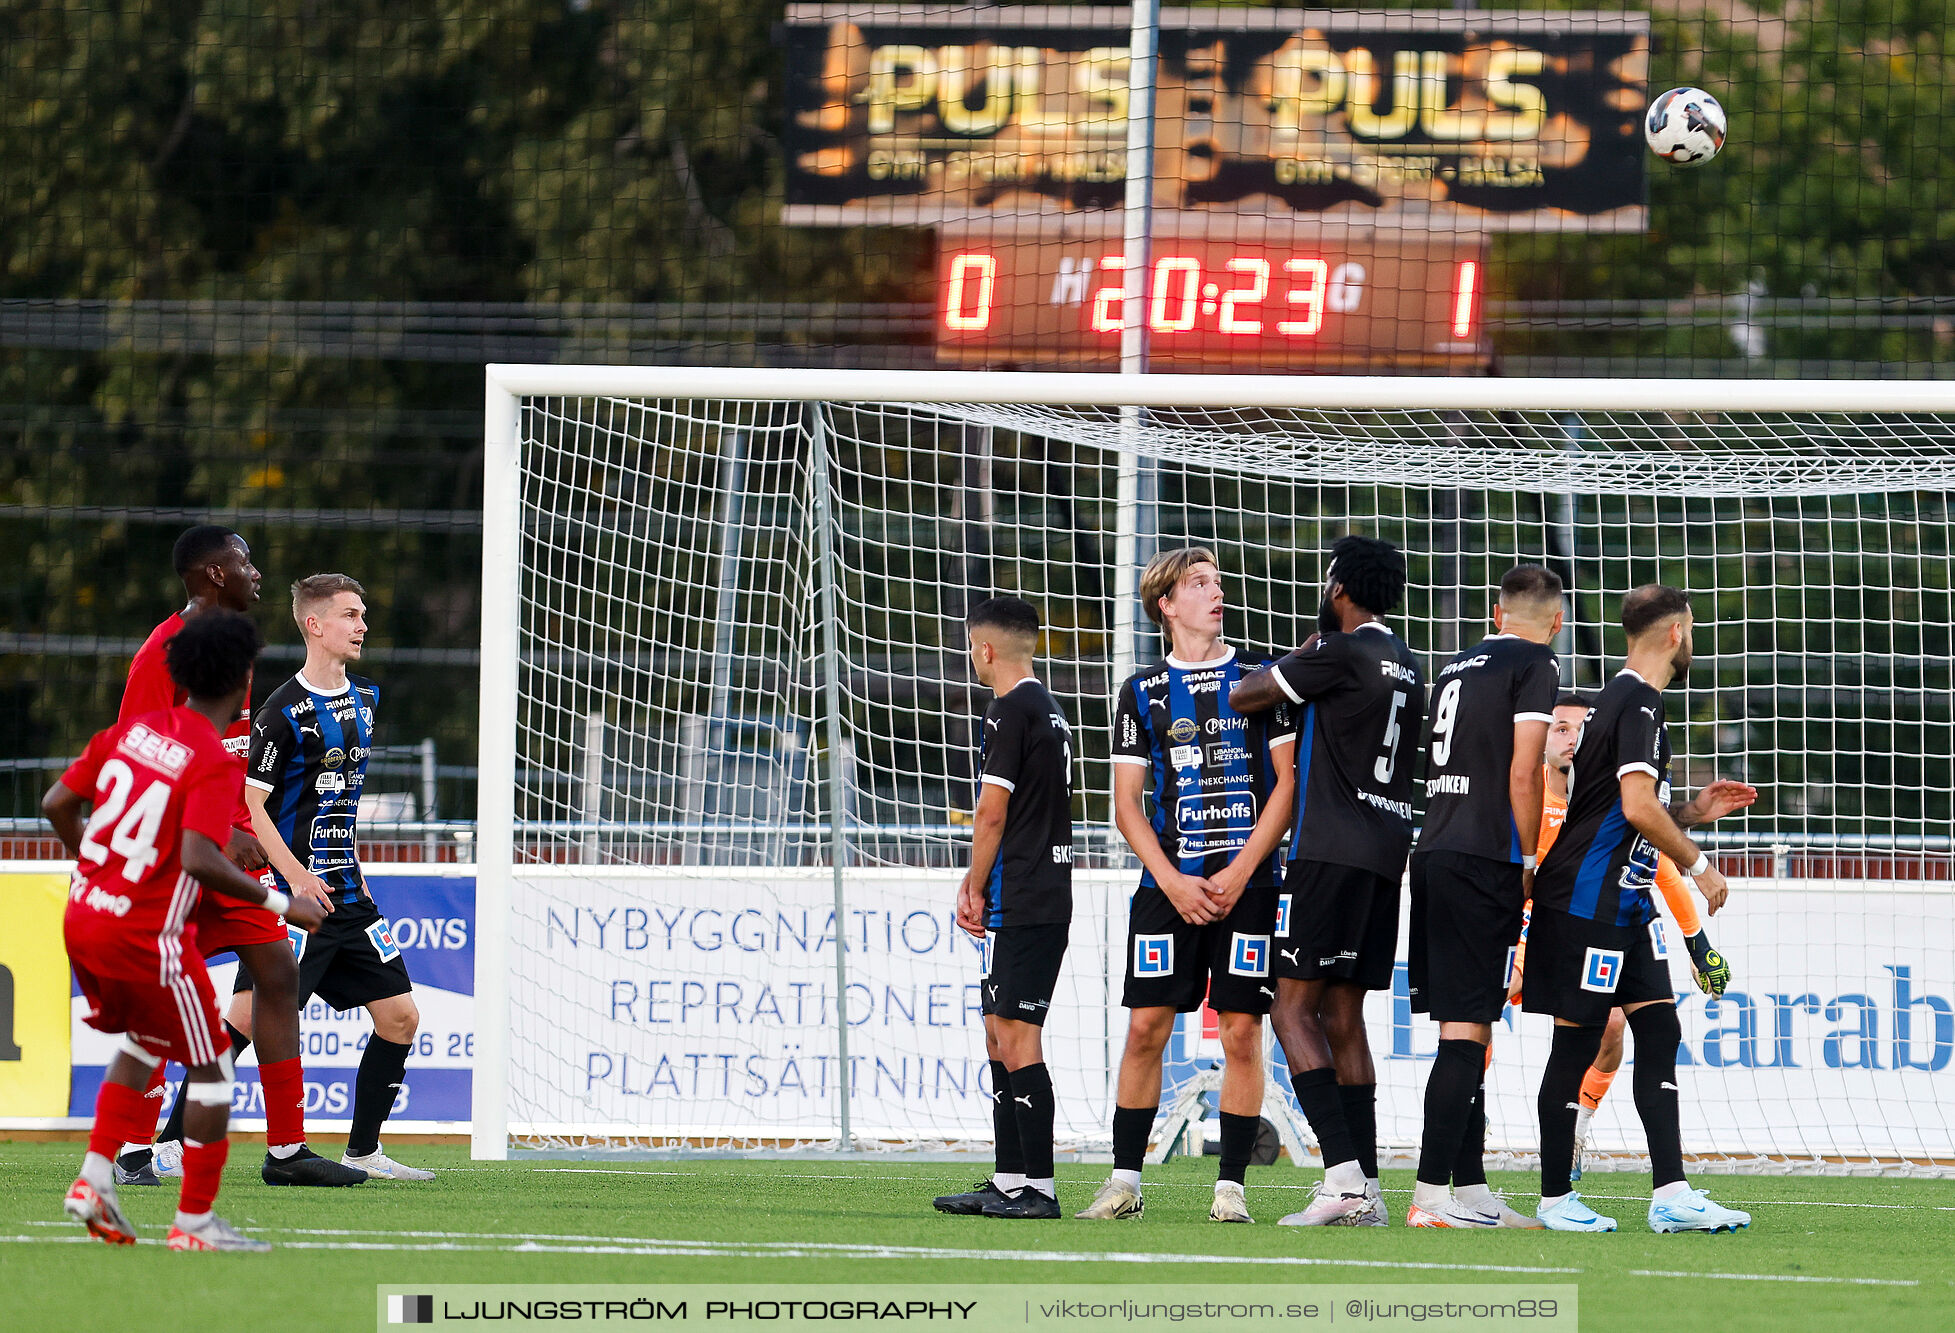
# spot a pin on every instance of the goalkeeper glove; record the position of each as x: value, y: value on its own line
x: 1707, y: 965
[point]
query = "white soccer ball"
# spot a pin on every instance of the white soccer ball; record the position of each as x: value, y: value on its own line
x: 1685, y: 127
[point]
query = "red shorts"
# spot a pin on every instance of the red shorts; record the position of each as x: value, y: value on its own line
x: 178, y: 1020
x: 224, y: 924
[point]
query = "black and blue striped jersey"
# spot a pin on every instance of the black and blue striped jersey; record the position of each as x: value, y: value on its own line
x: 1026, y: 748
x: 1601, y: 868
x: 1211, y: 767
x: 309, y: 752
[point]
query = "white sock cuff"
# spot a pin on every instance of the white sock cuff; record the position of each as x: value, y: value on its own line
x: 209, y: 1094
x: 136, y: 1051
x: 1128, y: 1178
x: 1345, y: 1177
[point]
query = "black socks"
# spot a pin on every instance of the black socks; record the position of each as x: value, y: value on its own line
x: 1323, y: 1106
x: 1361, y: 1114
x: 1451, y: 1109
x: 1004, y: 1123
x: 1033, y: 1103
x: 1470, y: 1166
x: 1574, y: 1050
x: 1131, y: 1126
x: 373, y: 1094
x: 1658, y: 1031
x: 1238, y: 1145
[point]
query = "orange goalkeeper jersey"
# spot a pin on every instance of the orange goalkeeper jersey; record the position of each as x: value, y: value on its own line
x: 1554, y: 813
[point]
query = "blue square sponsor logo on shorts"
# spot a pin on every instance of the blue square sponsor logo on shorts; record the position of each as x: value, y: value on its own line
x: 383, y: 941
x: 1513, y: 958
x: 1282, y: 915
x: 1249, y: 956
x: 1153, y: 955
x: 985, y: 952
x: 297, y: 938
x: 1602, y: 970
x: 1659, y: 942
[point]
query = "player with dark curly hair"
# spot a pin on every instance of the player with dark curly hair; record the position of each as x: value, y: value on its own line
x: 160, y: 792
x: 218, y: 577
x: 1362, y: 704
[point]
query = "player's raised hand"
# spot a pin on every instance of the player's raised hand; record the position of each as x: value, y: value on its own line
x: 1720, y: 798
x: 1189, y: 896
x: 1711, y: 884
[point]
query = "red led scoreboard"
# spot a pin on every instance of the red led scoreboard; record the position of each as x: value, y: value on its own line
x: 1409, y: 300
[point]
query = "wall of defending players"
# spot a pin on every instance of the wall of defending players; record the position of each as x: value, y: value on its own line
x: 671, y: 1013
x: 54, y: 1081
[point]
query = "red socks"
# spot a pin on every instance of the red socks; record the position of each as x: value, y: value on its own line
x: 284, y: 1087
x: 122, y: 1115
x: 203, y: 1168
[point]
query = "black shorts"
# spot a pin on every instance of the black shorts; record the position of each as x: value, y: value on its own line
x: 1173, y: 965
x: 1466, y: 919
x: 1579, y: 969
x: 1337, y: 921
x: 350, y: 961
x: 1021, y: 970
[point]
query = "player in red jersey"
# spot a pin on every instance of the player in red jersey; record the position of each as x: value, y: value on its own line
x: 215, y: 566
x: 162, y: 791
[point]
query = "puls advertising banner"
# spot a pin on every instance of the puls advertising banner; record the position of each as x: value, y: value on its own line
x: 660, y: 1002
x: 1425, y: 119
x: 703, y: 1002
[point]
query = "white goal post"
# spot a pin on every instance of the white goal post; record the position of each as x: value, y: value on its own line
x: 726, y: 722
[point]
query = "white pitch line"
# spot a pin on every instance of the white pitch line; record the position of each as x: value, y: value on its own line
x: 1780, y: 1277
x: 1797, y: 1203
x: 868, y: 1179
x: 531, y: 1243
x: 574, y: 1244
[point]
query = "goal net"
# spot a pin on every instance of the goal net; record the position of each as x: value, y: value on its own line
x: 728, y: 723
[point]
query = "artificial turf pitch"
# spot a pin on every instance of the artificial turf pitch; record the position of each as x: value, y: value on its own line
x: 1822, y: 1252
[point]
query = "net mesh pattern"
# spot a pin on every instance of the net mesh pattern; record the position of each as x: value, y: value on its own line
x: 735, y: 614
